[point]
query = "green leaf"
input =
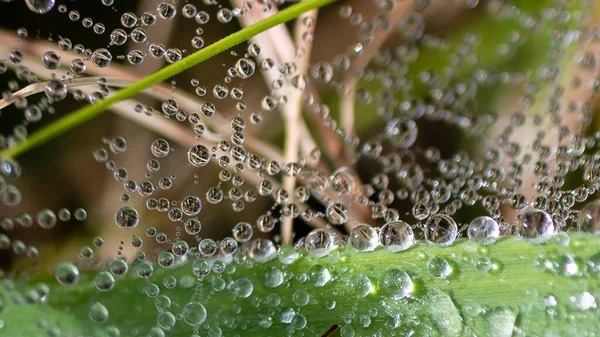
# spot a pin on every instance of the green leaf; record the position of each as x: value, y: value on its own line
x: 509, y: 288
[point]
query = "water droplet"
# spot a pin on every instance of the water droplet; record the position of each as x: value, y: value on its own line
x: 439, y: 267
x: 412, y: 26
x: 199, y: 155
x: 245, y: 68
x: 396, y: 236
x: 273, y: 277
x: 98, y: 313
x: 301, y: 297
x: 535, y: 226
x: 101, y: 57
x: 56, y: 90
x: 484, y: 230
x: 191, y: 205
x: 242, y: 288
x: 318, y: 242
x: 441, y: 230
x: 319, y: 275
x: 589, y: 218
x: 40, y: 6
x: 194, y: 313
x: 46, y: 219
x: 584, y: 301
x: 262, y: 250
x: 166, y: 320
x: 242, y: 232
x: 337, y: 213
x: 67, y: 274
x: 104, y: 281
x: 364, y: 238
x: 396, y: 284
x: 402, y: 133
x: 118, y: 267
x: 51, y: 60
x: 298, y: 322
x: 127, y: 217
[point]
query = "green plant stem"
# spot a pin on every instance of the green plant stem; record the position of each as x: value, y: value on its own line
x: 506, y: 289
x: 88, y: 112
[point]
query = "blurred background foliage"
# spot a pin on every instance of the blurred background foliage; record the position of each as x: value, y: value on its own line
x: 63, y: 172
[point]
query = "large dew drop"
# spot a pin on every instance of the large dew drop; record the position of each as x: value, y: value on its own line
x: 396, y: 236
x: 441, y: 230
x: 318, y: 242
x: 40, y: 6
x: 364, y: 238
x: 483, y: 230
x: 535, y: 226
x: 589, y: 218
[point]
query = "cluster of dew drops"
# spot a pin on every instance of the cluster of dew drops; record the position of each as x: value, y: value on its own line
x: 436, y: 187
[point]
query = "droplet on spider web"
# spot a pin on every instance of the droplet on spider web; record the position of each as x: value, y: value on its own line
x: 101, y: 57
x: 127, y: 217
x: 40, y: 6
x: 198, y: 155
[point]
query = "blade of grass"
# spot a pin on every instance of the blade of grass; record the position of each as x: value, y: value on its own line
x: 506, y: 289
x: 82, y: 115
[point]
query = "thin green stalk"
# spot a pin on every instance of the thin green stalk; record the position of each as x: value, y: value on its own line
x: 88, y: 112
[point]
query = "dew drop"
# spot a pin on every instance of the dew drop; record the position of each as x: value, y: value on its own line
x: 535, y: 226
x: 101, y: 58
x: 199, y: 155
x: 441, y: 230
x: 439, y: 267
x: 396, y: 284
x: 318, y: 242
x: 40, y: 6
x: 589, y: 218
x: 484, y: 230
x: 364, y: 238
x: 98, y: 313
x: 194, y: 313
x: 396, y: 236
x: 67, y: 274
x: 127, y: 217
x: 402, y: 133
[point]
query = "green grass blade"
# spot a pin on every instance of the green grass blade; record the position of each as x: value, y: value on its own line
x: 507, y: 289
x: 88, y: 112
